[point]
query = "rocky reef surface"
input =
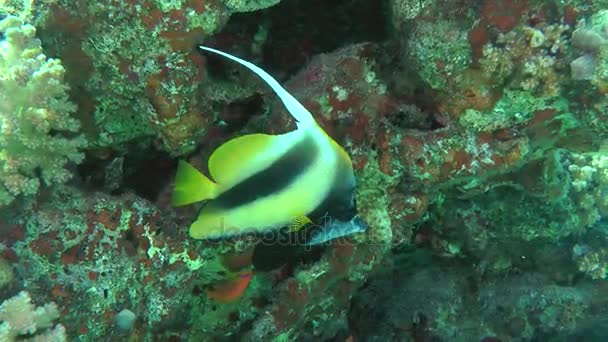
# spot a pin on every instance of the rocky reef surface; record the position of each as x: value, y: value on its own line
x: 478, y: 134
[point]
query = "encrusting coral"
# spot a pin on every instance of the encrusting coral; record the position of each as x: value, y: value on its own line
x: 249, y: 5
x: 34, y: 115
x: 477, y: 132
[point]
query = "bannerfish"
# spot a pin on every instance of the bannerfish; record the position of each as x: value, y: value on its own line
x: 263, y: 182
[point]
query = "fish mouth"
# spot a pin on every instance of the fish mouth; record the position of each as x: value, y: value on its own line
x: 359, y: 223
x: 333, y: 229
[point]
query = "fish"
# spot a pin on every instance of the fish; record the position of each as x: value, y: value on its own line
x: 231, y: 289
x: 306, y: 246
x: 262, y: 182
x: 333, y: 229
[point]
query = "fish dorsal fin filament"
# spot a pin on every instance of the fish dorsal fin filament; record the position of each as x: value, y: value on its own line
x: 303, y: 117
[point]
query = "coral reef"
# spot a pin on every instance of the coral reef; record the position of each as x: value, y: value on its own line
x: 35, y: 121
x: 6, y: 273
x: 477, y: 130
x: 105, y: 255
x: 142, y: 80
x: 21, y: 318
x: 591, y: 39
x: 517, y: 307
x: 249, y: 5
x: 440, y: 49
x: 529, y: 57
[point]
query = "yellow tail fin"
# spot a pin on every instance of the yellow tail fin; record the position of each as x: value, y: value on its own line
x: 191, y: 186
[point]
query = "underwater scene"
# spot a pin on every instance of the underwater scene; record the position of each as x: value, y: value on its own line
x: 304, y: 170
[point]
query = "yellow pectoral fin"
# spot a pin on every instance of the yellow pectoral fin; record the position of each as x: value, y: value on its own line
x: 191, y: 186
x: 298, y: 223
x: 229, y: 160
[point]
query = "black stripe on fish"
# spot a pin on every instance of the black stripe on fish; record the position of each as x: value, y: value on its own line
x: 339, y: 202
x: 336, y: 205
x: 273, y: 179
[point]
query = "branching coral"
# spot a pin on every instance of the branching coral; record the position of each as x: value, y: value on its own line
x: 19, y: 316
x: 403, y: 11
x: 589, y: 174
x: 531, y: 58
x: 34, y: 115
x: 594, y: 263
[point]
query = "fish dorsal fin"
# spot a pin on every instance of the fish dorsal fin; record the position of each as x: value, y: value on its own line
x: 243, y: 156
x: 295, y: 108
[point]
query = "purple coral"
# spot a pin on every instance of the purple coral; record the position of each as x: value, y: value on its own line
x: 591, y: 38
x: 583, y: 68
x: 588, y: 40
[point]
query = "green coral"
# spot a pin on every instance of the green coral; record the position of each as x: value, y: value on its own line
x: 582, y: 4
x: 439, y: 49
x: 601, y: 72
x: 594, y: 263
x: 515, y: 107
x: 373, y: 201
x: 35, y: 122
x: 402, y: 11
x: 249, y: 5
x: 121, y: 114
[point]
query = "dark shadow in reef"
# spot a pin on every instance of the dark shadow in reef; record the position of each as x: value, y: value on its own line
x: 282, y: 247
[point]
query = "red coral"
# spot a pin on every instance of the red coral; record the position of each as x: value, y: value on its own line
x: 473, y: 91
x: 46, y: 245
x: 450, y: 155
x: 503, y: 14
x: 73, y: 255
x: 570, y: 15
x: 478, y: 37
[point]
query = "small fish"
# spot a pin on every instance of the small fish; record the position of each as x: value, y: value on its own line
x: 263, y: 182
x: 230, y: 289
